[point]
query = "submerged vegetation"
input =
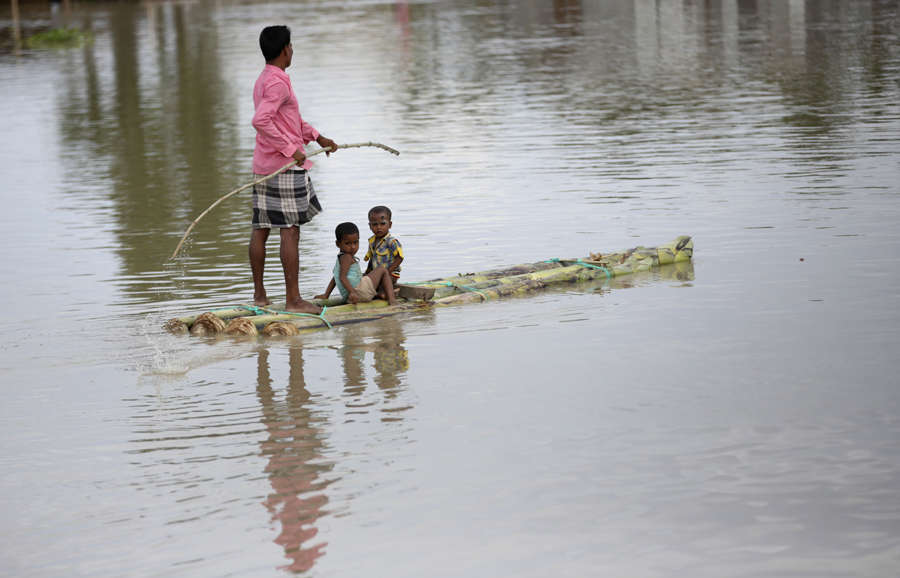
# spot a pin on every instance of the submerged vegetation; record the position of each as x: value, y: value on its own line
x: 57, y: 38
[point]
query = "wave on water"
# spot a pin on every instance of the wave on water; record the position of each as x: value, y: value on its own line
x: 174, y: 356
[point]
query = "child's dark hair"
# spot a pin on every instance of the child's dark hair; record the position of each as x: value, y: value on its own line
x: 345, y: 229
x: 272, y: 41
x: 381, y: 209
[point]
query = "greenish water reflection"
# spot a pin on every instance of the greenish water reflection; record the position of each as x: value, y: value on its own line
x: 154, y: 113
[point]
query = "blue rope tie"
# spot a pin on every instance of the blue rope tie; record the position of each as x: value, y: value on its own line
x: 250, y: 308
x: 472, y: 289
x: 266, y: 311
x: 253, y: 309
x: 464, y: 288
x: 591, y: 266
x: 320, y: 316
x: 583, y: 264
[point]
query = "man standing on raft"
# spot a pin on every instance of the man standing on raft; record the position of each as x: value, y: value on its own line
x: 287, y: 200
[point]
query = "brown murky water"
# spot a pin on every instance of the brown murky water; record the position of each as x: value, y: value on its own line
x: 740, y: 423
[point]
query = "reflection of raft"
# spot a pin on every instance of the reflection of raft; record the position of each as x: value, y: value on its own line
x: 471, y: 287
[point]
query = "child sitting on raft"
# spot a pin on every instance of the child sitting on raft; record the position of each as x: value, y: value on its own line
x: 384, y: 249
x: 347, y: 276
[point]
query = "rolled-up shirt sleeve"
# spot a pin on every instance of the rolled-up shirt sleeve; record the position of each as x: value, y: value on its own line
x: 308, y: 132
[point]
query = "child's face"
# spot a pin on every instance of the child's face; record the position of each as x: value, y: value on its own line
x: 348, y: 243
x: 380, y: 224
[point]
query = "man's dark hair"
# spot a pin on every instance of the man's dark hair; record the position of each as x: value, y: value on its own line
x: 344, y: 229
x: 380, y: 209
x: 272, y: 41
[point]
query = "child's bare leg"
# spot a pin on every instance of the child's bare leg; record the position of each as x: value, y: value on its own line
x: 379, y: 294
x: 381, y: 279
x: 394, y: 281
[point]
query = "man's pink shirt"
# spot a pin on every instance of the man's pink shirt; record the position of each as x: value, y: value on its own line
x: 280, y: 130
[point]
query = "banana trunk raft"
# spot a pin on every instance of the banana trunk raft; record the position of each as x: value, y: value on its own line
x: 467, y: 288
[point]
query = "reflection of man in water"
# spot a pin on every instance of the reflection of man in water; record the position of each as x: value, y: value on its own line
x: 293, y: 447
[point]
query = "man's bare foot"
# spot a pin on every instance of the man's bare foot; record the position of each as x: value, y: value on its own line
x: 303, y: 306
x: 261, y: 301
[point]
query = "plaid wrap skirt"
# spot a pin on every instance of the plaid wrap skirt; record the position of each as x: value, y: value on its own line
x: 285, y: 200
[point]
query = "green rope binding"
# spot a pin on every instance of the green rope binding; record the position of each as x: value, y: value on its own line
x: 591, y: 266
x: 581, y: 263
x: 472, y: 289
x: 320, y: 316
x: 252, y: 309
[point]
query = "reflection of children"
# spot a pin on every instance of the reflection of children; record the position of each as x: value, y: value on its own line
x: 384, y: 249
x: 347, y: 277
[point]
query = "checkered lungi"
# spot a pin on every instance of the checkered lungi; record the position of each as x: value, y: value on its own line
x: 285, y: 200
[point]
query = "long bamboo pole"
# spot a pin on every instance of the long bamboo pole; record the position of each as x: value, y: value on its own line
x: 269, y: 176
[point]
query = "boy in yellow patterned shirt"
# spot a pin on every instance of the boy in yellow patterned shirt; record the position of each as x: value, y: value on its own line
x: 384, y: 249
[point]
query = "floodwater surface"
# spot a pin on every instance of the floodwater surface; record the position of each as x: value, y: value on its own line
x: 740, y: 418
